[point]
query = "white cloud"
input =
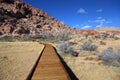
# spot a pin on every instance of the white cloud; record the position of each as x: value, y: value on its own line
x: 108, y: 21
x: 100, y: 20
x: 99, y: 17
x: 86, y: 27
x: 99, y: 25
x: 82, y: 11
x: 97, y: 21
x: 99, y: 10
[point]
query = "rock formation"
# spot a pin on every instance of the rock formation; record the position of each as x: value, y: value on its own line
x: 18, y: 17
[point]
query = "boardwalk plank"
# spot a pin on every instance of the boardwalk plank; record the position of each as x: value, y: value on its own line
x: 50, y: 67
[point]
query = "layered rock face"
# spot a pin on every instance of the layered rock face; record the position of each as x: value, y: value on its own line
x: 18, y: 17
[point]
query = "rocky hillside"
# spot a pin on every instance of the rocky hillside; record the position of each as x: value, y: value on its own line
x: 18, y: 17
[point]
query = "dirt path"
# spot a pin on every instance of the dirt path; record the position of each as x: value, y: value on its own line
x: 49, y: 66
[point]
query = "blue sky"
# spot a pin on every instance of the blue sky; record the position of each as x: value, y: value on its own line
x: 82, y: 14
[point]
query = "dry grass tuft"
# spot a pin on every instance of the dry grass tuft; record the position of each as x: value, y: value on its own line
x: 89, y: 58
x: 99, y: 62
x: 92, y: 71
x: 17, y: 59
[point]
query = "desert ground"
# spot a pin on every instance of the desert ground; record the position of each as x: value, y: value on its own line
x: 17, y: 59
x: 86, y: 66
x: 91, y: 70
x: 20, y: 21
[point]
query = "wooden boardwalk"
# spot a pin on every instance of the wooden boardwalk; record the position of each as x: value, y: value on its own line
x: 50, y: 66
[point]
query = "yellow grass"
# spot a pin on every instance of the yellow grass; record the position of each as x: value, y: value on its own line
x: 17, y: 59
x: 115, y: 44
x: 92, y: 71
x: 88, y: 68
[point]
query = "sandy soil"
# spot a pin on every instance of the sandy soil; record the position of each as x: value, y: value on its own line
x: 91, y: 69
x: 17, y: 59
x: 115, y: 44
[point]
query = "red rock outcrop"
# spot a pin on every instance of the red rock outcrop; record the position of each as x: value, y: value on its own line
x: 93, y: 32
x: 82, y: 31
x: 18, y: 17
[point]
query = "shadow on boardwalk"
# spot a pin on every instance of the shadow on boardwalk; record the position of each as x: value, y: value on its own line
x: 71, y: 74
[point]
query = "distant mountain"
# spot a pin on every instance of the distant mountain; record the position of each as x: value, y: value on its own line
x: 18, y: 17
x: 107, y: 28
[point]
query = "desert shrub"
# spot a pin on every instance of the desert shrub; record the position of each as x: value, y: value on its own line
x: 102, y: 43
x: 43, y: 36
x: 6, y: 38
x: 90, y: 40
x: 111, y: 57
x: 116, y: 38
x: 47, y: 36
x: 104, y: 36
x: 63, y: 46
x: 72, y: 51
x: 11, y: 38
x: 67, y: 48
x: 21, y: 38
x: 88, y: 46
x: 62, y: 35
x: 86, y: 35
x: 37, y: 36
